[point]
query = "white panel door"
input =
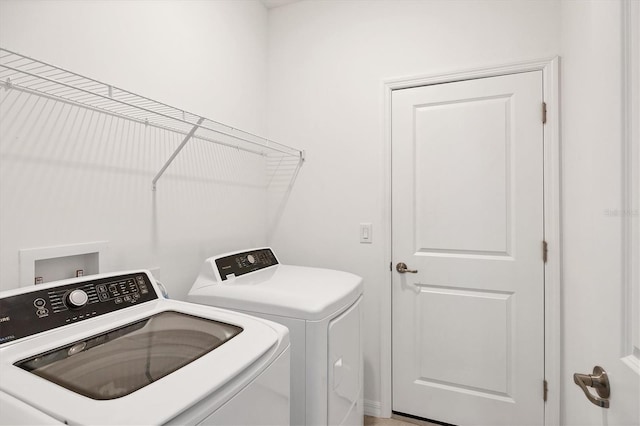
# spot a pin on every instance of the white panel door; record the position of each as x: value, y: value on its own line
x: 601, y: 288
x: 467, y: 197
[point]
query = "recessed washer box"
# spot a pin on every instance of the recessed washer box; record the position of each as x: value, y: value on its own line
x: 61, y: 262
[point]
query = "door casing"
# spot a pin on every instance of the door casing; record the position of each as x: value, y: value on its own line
x: 552, y: 273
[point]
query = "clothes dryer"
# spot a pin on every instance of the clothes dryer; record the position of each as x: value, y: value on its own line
x: 321, y: 308
x: 110, y: 349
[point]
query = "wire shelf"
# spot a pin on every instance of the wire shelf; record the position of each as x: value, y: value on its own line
x: 33, y: 76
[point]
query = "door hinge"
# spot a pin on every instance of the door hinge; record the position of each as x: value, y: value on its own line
x: 545, y: 391
x: 545, y: 251
x: 544, y: 113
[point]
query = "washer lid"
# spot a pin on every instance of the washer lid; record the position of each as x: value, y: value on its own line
x: 284, y: 290
x: 215, y: 376
x: 121, y: 361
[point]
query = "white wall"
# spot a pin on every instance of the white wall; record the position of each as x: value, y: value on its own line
x: 327, y: 62
x: 71, y: 176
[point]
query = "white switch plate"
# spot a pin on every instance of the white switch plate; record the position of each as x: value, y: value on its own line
x: 366, y: 233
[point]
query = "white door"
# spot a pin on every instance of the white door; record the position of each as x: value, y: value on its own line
x: 467, y: 214
x: 601, y: 237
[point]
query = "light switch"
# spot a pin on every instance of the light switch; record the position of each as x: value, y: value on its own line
x: 366, y: 233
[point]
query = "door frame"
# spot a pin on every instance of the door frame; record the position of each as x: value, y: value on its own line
x: 630, y: 182
x: 552, y: 223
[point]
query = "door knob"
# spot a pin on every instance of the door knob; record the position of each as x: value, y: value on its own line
x: 402, y: 268
x: 599, y: 381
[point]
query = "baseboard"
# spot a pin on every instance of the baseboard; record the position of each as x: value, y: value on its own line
x: 372, y: 408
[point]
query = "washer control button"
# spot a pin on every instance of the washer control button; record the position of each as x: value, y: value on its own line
x: 77, y: 298
x: 39, y: 303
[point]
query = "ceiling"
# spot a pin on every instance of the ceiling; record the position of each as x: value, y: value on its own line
x: 270, y: 4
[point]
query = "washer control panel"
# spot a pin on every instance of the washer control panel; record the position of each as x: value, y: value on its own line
x: 41, y: 310
x: 242, y: 263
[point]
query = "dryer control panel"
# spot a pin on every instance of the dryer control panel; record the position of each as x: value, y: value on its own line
x: 237, y: 264
x: 38, y: 310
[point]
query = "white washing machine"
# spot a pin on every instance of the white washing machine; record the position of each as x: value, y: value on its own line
x: 321, y: 308
x: 110, y: 349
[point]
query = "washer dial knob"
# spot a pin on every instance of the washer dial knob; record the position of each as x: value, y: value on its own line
x: 251, y: 259
x: 77, y: 298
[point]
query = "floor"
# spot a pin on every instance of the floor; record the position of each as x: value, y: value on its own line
x: 395, y: 420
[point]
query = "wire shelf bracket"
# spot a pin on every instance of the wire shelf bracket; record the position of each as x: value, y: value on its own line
x: 175, y: 153
x: 19, y: 72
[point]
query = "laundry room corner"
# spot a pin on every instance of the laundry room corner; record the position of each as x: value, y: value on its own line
x: 432, y: 204
x: 328, y: 62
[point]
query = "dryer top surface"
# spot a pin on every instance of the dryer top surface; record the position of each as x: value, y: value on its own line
x: 291, y: 291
